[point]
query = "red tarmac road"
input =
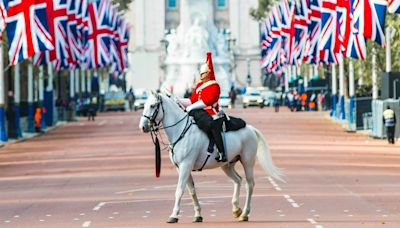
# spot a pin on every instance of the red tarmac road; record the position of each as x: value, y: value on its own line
x: 101, y: 174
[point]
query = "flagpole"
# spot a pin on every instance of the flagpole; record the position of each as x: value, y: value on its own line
x: 287, y: 72
x: 316, y: 71
x: 341, y: 88
x: 374, y: 76
x: 83, y: 86
x: 41, y: 97
x: 334, y: 90
x: 71, y: 84
x: 89, y: 82
x: 76, y: 80
x: 351, y: 92
x: 17, y: 100
x: 50, y: 95
x: 3, y: 134
x: 388, y: 51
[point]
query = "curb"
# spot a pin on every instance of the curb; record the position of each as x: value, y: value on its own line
x: 32, y: 135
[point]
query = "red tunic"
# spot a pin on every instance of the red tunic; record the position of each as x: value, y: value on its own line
x: 209, y: 93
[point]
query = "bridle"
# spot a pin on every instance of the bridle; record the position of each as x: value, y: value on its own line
x: 155, y: 126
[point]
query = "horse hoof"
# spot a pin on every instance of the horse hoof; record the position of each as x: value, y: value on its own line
x: 244, y: 218
x: 172, y: 220
x: 198, y: 219
x: 237, y: 213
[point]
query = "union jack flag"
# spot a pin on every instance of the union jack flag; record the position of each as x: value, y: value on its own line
x: 373, y: 24
x: 124, y: 35
x: 314, y: 31
x: 394, y: 6
x: 27, y: 29
x: 286, y: 19
x: 98, y: 45
x: 356, y: 47
x: 75, y: 44
x: 300, y: 27
x: 3, y: 15
x: 328, y: 45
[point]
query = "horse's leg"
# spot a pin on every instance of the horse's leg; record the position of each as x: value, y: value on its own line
x: 230, y: 171
x: 249, y: 172
x: 184, y: 173
x: 196, y: 204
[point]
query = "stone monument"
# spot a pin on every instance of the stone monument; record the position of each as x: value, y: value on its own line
x: 187, y: 47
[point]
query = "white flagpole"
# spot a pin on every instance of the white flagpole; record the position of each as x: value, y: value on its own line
x: 388, y: 51
x: 341, y: 88
x: 3, y: 134
x: 17, y: 99
x: 71, y: 84
x: 41, y: 96
x: 374, y: 76
x: 50, y: 92
x: 351, y: 92
x: 76, y: 82
x: 89, y: 82
x: 30, y: 97
x: 83, y: 85
x: 334, y: 90
x: 287, y: 72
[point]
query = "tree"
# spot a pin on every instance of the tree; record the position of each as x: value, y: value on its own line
x: 123, y: 4
x: 261, y: 12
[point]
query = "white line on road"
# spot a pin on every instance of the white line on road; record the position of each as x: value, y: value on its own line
x: 133, y: 190
x: 313, y: 222
x: 291, y: 201
x: 86, y: 224
x: 96, y: 208
x: 101, y: 123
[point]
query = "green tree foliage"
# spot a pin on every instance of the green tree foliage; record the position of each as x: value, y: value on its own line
x: 261, y: 12
x: 123, y: 4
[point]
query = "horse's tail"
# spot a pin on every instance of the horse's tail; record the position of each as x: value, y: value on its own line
x: 264, y: 157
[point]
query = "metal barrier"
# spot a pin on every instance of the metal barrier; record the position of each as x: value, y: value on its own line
x: 378, y: 106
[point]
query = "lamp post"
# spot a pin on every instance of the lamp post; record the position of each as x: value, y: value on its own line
x: 248, y: 72
x: 164, y: 44
x: 395, y: 88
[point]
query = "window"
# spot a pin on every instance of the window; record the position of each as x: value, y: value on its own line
x: 221, y: 3
x: 171, y: 4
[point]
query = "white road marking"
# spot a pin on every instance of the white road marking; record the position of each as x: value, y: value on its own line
x: 350, y: 215
x: 282, y: 215
x: 312, y: 210
x: 384, y: 215
x: 111, y: 217
x: 7, y: 221
x: 274, y: 184
x: 101, y: 123
x: 144, y: 216
x: 76, y: 219
x: 148, y: 212
x: 315, y: 223
x: 345, y: 211
x: 16, y: 216
x: 212, y: 215
x: 295, y: 205
x: 82, y: 214
x: 41, y: 220
x: 96, y: 208
x: 213, y: 210
x: 291, y: 201
x: 279, y: 211
x: 133, y: 190
x: 312, y: 221
x: 86, y: 224
x: 48, y: 215
x: 378, y: 210
x: 316, y: 215
x: 115, y: 213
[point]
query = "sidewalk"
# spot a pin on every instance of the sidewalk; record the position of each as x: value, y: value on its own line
x: 29, y: 135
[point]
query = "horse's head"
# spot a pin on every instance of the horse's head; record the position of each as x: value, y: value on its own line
x: 152, y: 112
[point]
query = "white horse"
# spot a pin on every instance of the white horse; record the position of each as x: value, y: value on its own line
x: 188, y: 151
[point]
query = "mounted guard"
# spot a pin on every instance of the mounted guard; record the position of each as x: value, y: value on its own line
x: 203, y: 106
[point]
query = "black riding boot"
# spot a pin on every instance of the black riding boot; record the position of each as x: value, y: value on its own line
x: 216, y: 132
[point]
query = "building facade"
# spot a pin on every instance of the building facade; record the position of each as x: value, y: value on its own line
x: 151, y: 20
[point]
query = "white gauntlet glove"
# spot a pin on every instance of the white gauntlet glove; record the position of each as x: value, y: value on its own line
x: 185, y: 102
x: 197, y: 105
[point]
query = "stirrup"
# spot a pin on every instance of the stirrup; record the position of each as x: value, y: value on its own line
x: 221, y: 157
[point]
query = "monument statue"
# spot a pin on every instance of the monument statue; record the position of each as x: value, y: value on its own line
x: 187, y: 48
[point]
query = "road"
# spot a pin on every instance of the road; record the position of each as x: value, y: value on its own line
x: 101, y: 174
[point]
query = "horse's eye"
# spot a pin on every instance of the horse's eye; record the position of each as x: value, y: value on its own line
x: 152, y: 106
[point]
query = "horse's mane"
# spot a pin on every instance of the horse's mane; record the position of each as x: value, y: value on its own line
x: 169, y: 99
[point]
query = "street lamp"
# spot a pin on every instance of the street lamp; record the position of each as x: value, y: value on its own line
x: 248, y: 71
x: 395, y: 88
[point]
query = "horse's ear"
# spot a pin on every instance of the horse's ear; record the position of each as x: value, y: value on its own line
x: 166, y: 91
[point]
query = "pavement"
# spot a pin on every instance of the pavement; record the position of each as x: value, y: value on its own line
x: 101, y: 174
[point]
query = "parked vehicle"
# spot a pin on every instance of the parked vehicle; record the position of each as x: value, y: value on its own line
x: 224, y: 101
x: 114, y: 101
x: 140, y: 99
x: 252, y: 97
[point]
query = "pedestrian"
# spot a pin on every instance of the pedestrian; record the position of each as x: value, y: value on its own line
x: 91, y: 110
x: 131, y: 99
x: 389, y: 119
x: 232, y: 95
x: 38, y: 120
